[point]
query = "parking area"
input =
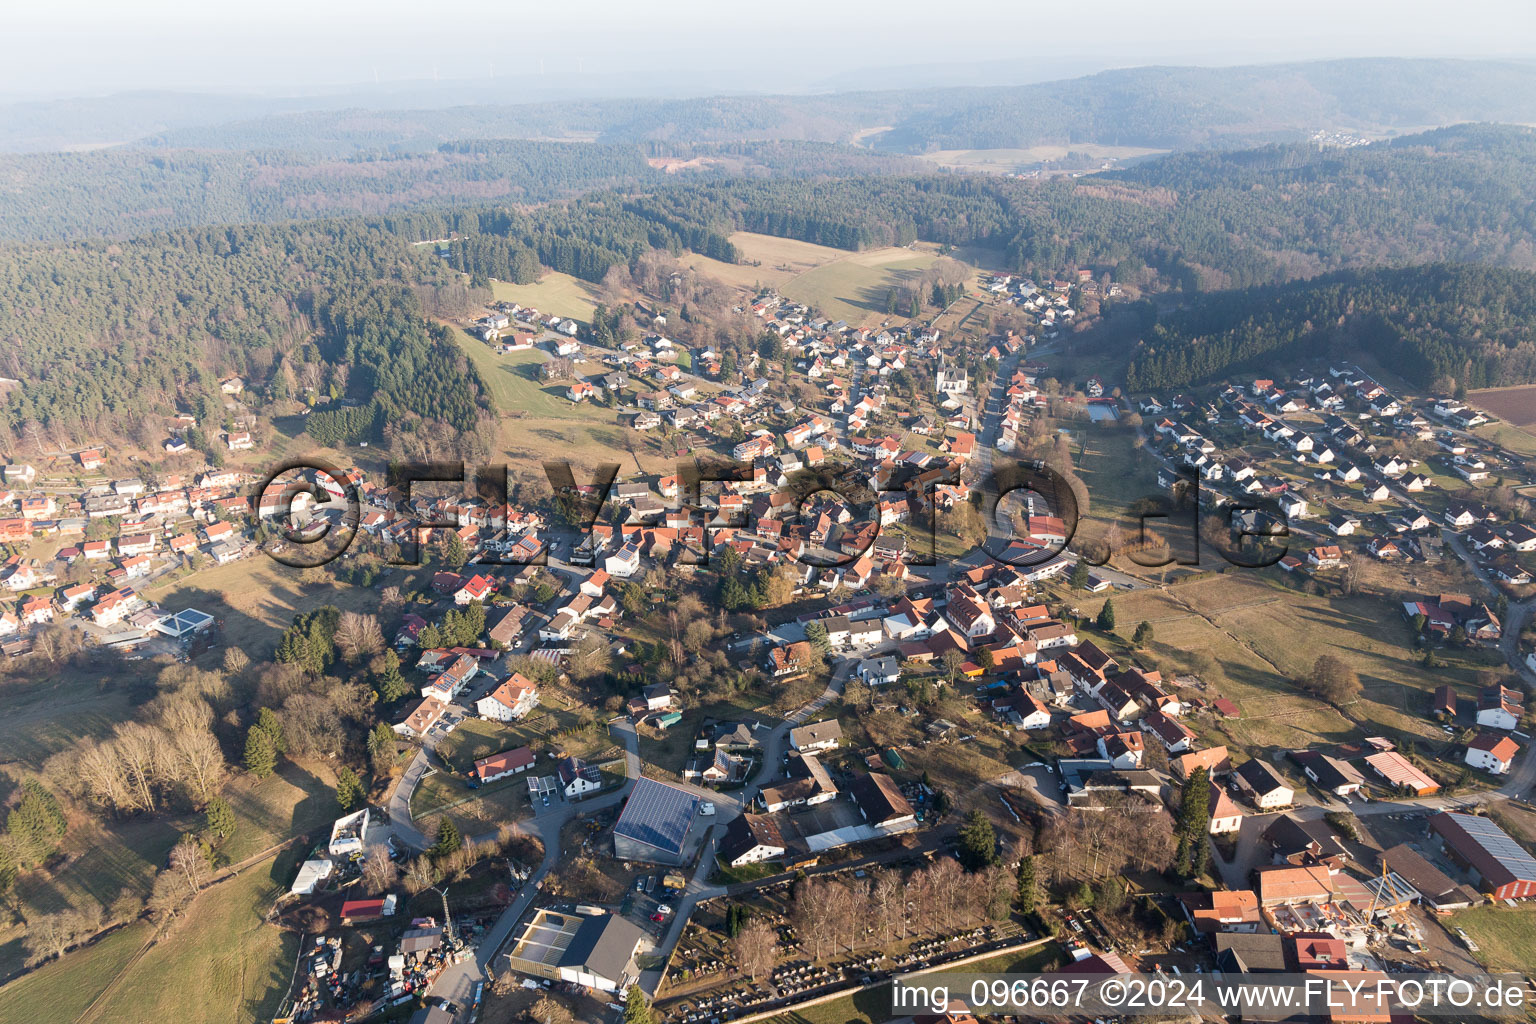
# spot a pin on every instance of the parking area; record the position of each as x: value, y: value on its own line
x: 543, y: 792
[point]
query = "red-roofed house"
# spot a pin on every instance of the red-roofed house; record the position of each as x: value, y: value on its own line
x: 1492, y: 753
x: 476, y: 588
x: 499, y: 766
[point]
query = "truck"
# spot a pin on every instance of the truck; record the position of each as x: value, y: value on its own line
x: 674, y: 882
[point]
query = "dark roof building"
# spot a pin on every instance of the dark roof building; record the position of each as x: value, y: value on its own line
x: 1438, y: 889
x: 1504, y: 867
x: 1299, y: 842
x: 1249, y: 952
x: 1337, y: 777
x: 880, y: 801
x: 1267, y: 786
x: 596, y: 951
x: 654, y: 823
x: 750, y: 839
x: 602, y: 953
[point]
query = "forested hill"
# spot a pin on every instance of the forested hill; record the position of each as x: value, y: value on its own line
x: 1445, y: 327
x: 1160, y: 107
x: 123, y: 192
x: 1200, y: 222
x: 109, y: 339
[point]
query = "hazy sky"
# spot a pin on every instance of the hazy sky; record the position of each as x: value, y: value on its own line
x: 84, y: 47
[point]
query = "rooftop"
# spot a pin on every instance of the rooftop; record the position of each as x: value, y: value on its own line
x: 657, y: 814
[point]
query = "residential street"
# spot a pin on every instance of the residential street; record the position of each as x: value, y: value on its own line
x: 457, y: 982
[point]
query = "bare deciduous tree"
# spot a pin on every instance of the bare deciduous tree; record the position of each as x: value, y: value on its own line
x: 50, y: 935
x: 379, y: 872
x: 188, y: 858
x: 755, y: 949
x: 358, y: 636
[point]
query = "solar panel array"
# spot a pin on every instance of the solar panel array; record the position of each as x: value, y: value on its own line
x: 183, y: 622
x: 657, y: 814
x: 1498, y: 844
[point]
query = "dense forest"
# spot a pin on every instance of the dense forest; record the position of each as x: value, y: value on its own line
x: 109, y: 338
x: 124, y: 192
x: 1450, y: 327
x: 1159, y: 107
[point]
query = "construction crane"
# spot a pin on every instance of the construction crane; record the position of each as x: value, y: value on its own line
x: 1398, y: 913
x: 453, y: 938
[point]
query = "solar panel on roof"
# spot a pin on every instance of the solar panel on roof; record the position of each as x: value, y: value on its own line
x: 657, y: 814
x: 1498, y: 844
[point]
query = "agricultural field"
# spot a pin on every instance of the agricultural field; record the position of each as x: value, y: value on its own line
x: 537, y: 418
x: 1011, y: 161
x: 766, y: 261
x: 554, y: 293
x: 1515, y: 405
x: 1240, y: 634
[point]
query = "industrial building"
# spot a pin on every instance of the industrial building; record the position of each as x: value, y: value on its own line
x: 596, y: 951
x: 1503, y: 867
x: 655, y: 822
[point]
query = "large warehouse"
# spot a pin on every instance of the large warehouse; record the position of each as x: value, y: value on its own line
x: 655, y: 822
x: 1503, y: 866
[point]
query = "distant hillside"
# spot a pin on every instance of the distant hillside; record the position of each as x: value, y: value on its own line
x: 1201, y: 108
x: 1441, y: 326
x: 120, y: 192
x: 1158, y: 107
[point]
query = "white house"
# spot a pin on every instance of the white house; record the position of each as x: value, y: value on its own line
x: 1492, y: 753
x: 1499, y: 707
x: 577, y: 778
x: 624, y: 563
x: 879, y: 671
x: 510, y: 701
x: 824, y: 735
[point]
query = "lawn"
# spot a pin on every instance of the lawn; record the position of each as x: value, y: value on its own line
x: 62, y: 990
x: 256, y: 598
x: 855, y: 287
x: 108, y: 859
x: 479, y: 811
x: 220, y: 962
x: 766, y: 261
x: 1520, y: 440
x: 1249, y: 624
x: 560, y: 294
x: 671, y: 749
x: 1504, y: 936
x: 46, y: 715
x: 843, y: 285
